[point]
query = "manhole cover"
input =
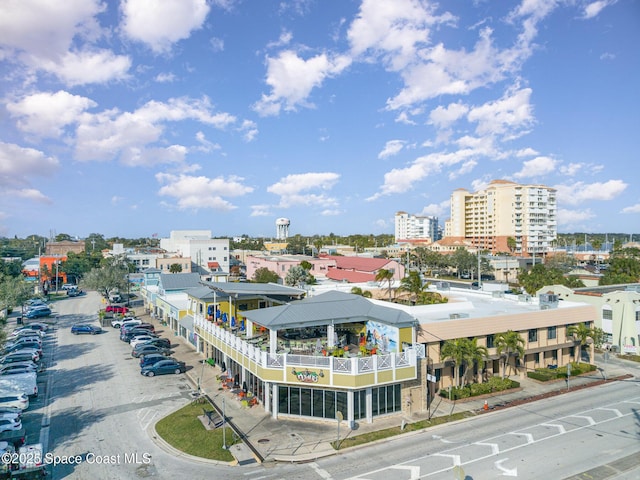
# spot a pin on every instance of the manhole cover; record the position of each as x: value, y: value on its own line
x: 263, y: 440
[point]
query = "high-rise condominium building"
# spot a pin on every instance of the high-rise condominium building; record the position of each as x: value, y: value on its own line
x: 505, y: 217
x: 415, y: 227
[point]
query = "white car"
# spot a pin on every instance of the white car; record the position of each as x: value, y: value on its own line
x: 7, y: 424
x: 141, y: 339
x: 119, y: 322
x: 14, y: 399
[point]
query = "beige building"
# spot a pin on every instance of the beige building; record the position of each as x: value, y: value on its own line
x: 489, y: 217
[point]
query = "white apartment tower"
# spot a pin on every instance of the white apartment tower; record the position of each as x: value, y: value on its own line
x: 211, y: 254
x: 505, y: 217
x: 416, y: 227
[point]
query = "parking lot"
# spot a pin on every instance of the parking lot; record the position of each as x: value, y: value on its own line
x: 94, y: 407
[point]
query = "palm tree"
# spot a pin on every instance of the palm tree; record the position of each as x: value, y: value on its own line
x: 412, y: 284
x: 474, y: 354
x: 385, y: 275
x: 455, y: 350
x: 512, y: 344
x: 581, y: 333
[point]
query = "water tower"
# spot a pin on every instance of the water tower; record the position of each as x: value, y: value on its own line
x: 282, y: 228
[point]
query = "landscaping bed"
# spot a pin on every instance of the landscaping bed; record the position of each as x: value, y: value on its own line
x: 474, y: 391
x: 560, y: 373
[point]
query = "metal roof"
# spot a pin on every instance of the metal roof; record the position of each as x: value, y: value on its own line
x: 328, y: 308
x: 248, y: 288
x: 179, y: 281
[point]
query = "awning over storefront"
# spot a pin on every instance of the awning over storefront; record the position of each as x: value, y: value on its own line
x: 187, y: 322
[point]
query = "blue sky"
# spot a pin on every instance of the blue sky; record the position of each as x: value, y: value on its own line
x: 137, y: 117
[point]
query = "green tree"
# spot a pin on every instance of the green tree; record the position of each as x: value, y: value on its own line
x: 105, y: 279
x: 296, y: 276
x: 455, y: 351
x: 598, y: 336
x: 509, y: 344
x: 264, y: 275
x: 359, y: 291
x: 175, y: 268
x: 463, y: 261
x: 14, y: 292
x: 431, y: 298
x: 384, y: 275
x: 624, y: 267
x: 474, y: 355
x: 412, y: 283
x: 581, y: 334
x: 297, y: 245
x: 511, y: 244
x: 76, y: 266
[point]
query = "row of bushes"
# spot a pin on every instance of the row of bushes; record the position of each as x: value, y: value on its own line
x: 494, y: 384
x: 547, y: 374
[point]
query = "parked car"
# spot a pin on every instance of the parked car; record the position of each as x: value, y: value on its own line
x: 26, y: 382
x: 18, y: 367
x: 7, y: 424
x: 13, y: 399
x: 74, y: 292
x: 159, y: 342
x: 120, y: 322
x: 116, y: 309
x: 30, y: 341
x: 23, y: 349
x: 26, y: 332
x: 68, y: 286
x: 143, y: 349
x: 20, y: 356
x: 38, y: 312
x: 133, y: 332
x: 42, y: 327
x: 137, y: 340
x: 80, y: 328
x: 151, y: 358
x: 164, y: 367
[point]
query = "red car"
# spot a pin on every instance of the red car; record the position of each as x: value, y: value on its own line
x: 116, y: 309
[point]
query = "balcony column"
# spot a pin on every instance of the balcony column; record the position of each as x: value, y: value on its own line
x: 331, y: 333
x: 248, y: 325
x: 274, y: 407
x: 369, y: 405
x: 350, y: 409
x: 273, y: 341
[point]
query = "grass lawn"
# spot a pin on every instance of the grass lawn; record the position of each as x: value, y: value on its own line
x: 393, y: 431
x: 185, y: 432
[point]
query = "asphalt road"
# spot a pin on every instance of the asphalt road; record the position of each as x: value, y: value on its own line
x: 95, y: 410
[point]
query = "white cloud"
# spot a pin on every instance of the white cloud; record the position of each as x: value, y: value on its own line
x: 217, y: 44
x: 392, y: 147
x: 161, y: 24
x: 526, y: 152
x: 80, y: 68
x: 537, y: 167
x: 437, y: 209
x: 400, y: 180
x: 293, y: 189
x: 165, y: 78
x: 393, y: 30
x: 571, y: 169
x: 260, y: 211
x: 194, y: 193
x: 579, y: 192
x: 631, y: 209
x: 507, y: 116
x: 443, y: 117
x: 292, y: 79
x: 284, y: 39
x: 608, y: 56
x: 44, y: 29
x: 594, y: 8
x: 130, y: 135
x: 46, y: 114
x: 331, y: 212
x: 19, y: 163
x: 573, y: 218
x: 249, y: 130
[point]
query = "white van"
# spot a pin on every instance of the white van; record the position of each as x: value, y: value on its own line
x: 22, y: 382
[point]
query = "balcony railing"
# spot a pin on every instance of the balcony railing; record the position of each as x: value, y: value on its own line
x: 340, y: 365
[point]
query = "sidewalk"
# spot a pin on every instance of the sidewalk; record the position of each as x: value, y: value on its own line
x: 289, y: 440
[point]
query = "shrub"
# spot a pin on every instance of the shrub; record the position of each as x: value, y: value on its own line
x: 494, y: 384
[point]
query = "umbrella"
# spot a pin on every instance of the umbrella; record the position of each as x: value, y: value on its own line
x: 233, y: 321
x: 210, y: 310
x: 224, y: 367
x: 244, y: 387
x: 224, y: 317
x: 242, y: 327
x: 217, y: 313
